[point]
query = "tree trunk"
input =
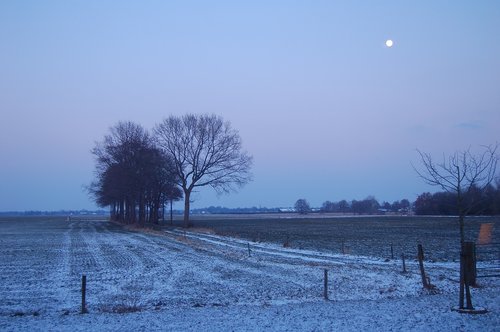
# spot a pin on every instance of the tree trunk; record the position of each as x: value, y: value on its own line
x: 163, y: 211
x: 187, y: 193
x: 171, y: 213
x: 128, y: 214
x: 461, y: 218
x: 141, y: 213
x: 156, y: 212
x: 461, y: 210
x: 466, y: 274
x: 121, y: 214
x: 132, y: 211
x: 112, y: 211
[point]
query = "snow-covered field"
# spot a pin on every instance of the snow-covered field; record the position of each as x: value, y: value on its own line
x: 177, y: 280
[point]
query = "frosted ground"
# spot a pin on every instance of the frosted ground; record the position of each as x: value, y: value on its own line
x: 177, y: 280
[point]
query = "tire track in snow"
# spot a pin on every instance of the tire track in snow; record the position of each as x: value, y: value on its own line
x: 258, y: 271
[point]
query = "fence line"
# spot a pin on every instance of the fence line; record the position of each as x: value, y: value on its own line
x: 486, y: 252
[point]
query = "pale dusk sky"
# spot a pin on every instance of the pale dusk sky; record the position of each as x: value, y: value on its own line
x: 327, y: 110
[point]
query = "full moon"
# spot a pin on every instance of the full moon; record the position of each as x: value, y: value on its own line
x: 389, y: 43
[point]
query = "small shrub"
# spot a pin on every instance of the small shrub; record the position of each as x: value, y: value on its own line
x: 286, y: 244
x: 123, y: 304
x: 120, y: 308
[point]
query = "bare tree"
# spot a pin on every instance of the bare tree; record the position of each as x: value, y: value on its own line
x: 302, y: 206
x: 206, y: 151
x: 461, y: 174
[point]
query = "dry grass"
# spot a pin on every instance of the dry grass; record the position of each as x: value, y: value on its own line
x: 123, y: 303
x: 203, y: 230
x: 120, y: 309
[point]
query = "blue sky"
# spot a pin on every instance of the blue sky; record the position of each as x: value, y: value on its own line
x: 327, y: 111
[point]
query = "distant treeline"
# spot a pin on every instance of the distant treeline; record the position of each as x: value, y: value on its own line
x: 367, y: 206
x: 55, y: 213
x: 485, y: 202
x: 479, y: 202
x: 225, y: 210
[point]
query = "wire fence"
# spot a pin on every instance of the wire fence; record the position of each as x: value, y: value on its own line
x: 488, y: 253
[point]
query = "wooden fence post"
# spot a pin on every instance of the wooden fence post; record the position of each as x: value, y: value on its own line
x: 84, y: 290
x: 404, y: 264
x: 392, y: 251
x: 325, y: 286
x: 425, y: 283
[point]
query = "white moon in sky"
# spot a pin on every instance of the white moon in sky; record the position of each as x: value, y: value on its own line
x: 389, y: 43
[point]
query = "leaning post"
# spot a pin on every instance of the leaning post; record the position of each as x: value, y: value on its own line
x: 325, y: 286
x: 84, y: 290
x: 421, y: 265
x: 404, y: 263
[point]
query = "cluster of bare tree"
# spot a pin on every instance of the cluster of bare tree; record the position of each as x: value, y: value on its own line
x: 138, y: 172
x: 480, y: 202
x: 134, y: 177
x: 369, y: 205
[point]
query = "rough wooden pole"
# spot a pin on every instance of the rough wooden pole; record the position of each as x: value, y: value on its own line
x: 466, y: 260
x: 325, y: 287
x: 462, y: 279
x: 421, y: 264
x: 404, y: 263
x: 84, y: 290
x: 392, y: 251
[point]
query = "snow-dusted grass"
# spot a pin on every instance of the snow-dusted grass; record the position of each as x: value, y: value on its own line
x: 178, y: 280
